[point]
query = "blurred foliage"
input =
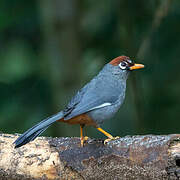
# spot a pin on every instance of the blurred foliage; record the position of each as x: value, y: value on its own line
x: 49, y: 49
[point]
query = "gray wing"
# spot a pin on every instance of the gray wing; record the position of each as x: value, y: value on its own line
x: 95, y: 95
x: 74, y: 101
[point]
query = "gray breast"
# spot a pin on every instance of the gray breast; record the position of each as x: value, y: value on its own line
x: 104, y: 113
x: 115, y: 86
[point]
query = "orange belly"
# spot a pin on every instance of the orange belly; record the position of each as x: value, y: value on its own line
x: 82, y: 119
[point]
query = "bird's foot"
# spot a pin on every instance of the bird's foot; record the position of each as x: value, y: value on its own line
x: 110, y: 139
x: 84, y: 139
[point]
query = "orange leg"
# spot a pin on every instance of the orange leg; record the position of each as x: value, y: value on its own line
x: 110, y: 137
x: 105, y: 133
x: 81, y: 134
x: 82, y: 137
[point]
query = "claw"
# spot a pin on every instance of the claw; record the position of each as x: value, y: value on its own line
x: 110, y: 139
x: 86, y: 138
x: 82, y: 142
x: 83, y: 139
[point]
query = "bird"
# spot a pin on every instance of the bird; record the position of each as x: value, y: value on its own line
x: 94, y: 103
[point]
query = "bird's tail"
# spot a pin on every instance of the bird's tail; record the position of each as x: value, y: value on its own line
x: 36, y: 130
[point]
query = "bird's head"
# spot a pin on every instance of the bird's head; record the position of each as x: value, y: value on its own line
x: 124, y: 63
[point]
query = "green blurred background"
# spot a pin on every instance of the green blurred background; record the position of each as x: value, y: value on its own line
x: 49, y: 49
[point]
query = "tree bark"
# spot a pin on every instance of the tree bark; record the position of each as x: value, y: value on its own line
x: 136, y: 157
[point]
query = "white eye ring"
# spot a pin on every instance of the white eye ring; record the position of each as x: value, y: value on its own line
x: 123, y: 65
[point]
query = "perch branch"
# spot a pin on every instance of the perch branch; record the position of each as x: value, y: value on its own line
x: 136, y: 157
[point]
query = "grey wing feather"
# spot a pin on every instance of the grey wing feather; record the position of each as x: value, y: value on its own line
x: 93, y: 98
x: 74, y: 101
x: 95, y: 94
x: 86, y: 107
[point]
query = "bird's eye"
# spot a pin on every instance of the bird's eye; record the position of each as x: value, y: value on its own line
x: 123, y: 65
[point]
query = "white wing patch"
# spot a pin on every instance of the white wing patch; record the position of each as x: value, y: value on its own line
x: 101, y: 106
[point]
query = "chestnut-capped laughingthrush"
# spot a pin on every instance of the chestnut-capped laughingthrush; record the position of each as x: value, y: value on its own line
x: 97, y: 101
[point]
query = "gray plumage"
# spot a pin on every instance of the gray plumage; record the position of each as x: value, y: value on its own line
x: 107, y: 87
x: 100, y: 99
